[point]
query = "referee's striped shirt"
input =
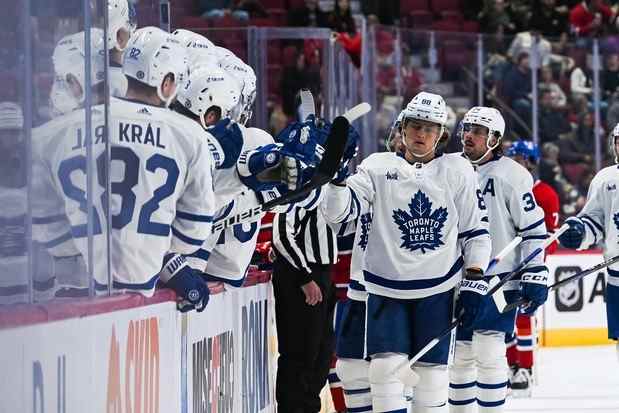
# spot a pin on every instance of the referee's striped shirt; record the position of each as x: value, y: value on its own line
x: 303, y: 237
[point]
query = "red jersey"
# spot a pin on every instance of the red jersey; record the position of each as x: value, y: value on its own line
x: 548, y: 199
x: 581, y: 17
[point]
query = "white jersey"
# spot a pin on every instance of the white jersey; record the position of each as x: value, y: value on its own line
x: 507, y: 191
x: 361, y: 227
x: 601, y: 217
x: 162, y: 192
x: 419, y: 213
x: 226, y: 254
x: 118, y: 81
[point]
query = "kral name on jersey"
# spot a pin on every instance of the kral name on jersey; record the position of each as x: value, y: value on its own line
x: 127, y: 132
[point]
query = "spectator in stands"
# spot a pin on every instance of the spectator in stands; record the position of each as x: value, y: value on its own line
x: 612, y: 113
x: 217, y: 9
x: 517, y: 88
x: 496, y: 19
x: 559, y: 100
x: 297, y: 77
x: 308, y: 15
x: 345, y: 30
x: 523, y: 43
x: 385, y: 12
x: 575, y: 152
x: 610, y: 76
x: 553, y: 124
x: 549, y: 19
x: 580, y: 85
x: 591, y: 18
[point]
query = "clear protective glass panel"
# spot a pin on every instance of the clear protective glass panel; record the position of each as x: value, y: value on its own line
x: 53, y: 64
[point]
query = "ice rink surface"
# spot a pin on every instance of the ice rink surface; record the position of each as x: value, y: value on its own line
x: 573, y: 380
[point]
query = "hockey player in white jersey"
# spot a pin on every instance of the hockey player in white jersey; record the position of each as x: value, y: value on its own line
x: 598, y: 222
x: 423, y: 203
x: 121, y: 25
x: 478, y: 375
x: 69, y: 87
x: 160, y: 172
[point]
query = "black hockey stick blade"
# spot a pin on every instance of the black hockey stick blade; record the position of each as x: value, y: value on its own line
x: 568, y: 280
x: 334, y: 150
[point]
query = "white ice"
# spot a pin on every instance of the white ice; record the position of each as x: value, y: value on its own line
x: 573, y: 380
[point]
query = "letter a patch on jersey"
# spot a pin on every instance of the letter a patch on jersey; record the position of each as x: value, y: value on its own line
x: 421, y: 229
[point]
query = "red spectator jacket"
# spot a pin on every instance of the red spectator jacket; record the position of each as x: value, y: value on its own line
x: 581, y: 17
x: 547, y: 198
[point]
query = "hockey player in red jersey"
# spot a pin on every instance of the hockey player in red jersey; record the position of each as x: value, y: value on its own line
x: 520, y: 345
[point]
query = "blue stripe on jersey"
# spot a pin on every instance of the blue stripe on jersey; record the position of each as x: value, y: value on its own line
x: 594, y: 222
x: 316, y: 197
x: 359, y: 409
x: 215, y: 278
x: 354, y: 202
x: 491, y: 404
x: 484, y: 219
x: 472, y: 233
x: 48, y: 219
x: 58, y: 240
x: 148, y: 285
x: 356, y: 391
x: 194, y: 217
x: 598, y: 226
x: 593, y: 231
x: 491, y: 386
x: 461, y: 402
x: 201, y: 254
x: 530, y: 227
x: 530, y: 237
x: 462, y: 385
x: 523, y: 342
x: 413, y: 284
x: 356, y: 285
x: 225, y: 213
x: 185, y: 238
x: 612, y: 273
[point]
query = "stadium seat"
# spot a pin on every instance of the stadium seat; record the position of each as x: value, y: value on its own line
x: 419, y: 19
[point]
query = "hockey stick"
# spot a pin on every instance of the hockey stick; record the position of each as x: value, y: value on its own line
x: 496, y: 283
x: 405, y: 372
x: 568, y: 280
x: 334, y: 150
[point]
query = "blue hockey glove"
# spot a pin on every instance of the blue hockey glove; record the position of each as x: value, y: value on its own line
x: 534, y: 289
x: 186, y: 282
x: 473, y: 289
x: 303, y: 141
x: 572, y: 238
x: 228, y: 143
x: 253, y: 164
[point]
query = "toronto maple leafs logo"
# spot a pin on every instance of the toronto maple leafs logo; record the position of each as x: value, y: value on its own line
x: 421, y: 229
x: 366, y: 225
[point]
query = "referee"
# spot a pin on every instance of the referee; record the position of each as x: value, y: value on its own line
x: 305, y: 248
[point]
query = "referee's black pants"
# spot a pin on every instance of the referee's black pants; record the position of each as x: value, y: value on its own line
x: 305, y: 338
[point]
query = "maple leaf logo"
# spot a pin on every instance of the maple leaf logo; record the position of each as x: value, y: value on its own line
x: 366, y: 225
x: 421, y: 229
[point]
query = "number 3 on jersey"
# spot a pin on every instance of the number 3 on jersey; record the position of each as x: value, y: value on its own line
x: 124, y: 189
x: 529, y: 202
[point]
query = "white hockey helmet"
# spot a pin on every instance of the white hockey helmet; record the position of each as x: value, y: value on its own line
x: 200, y: 50
x: 151, y: 55
x: 121, y: 16
x: 492, y: 119
x: 11, y: 116
x: 210, y: 86
x: 69, y: 58
x: 613, y: 138
x: 246, y: 78
x: 428, y: 107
